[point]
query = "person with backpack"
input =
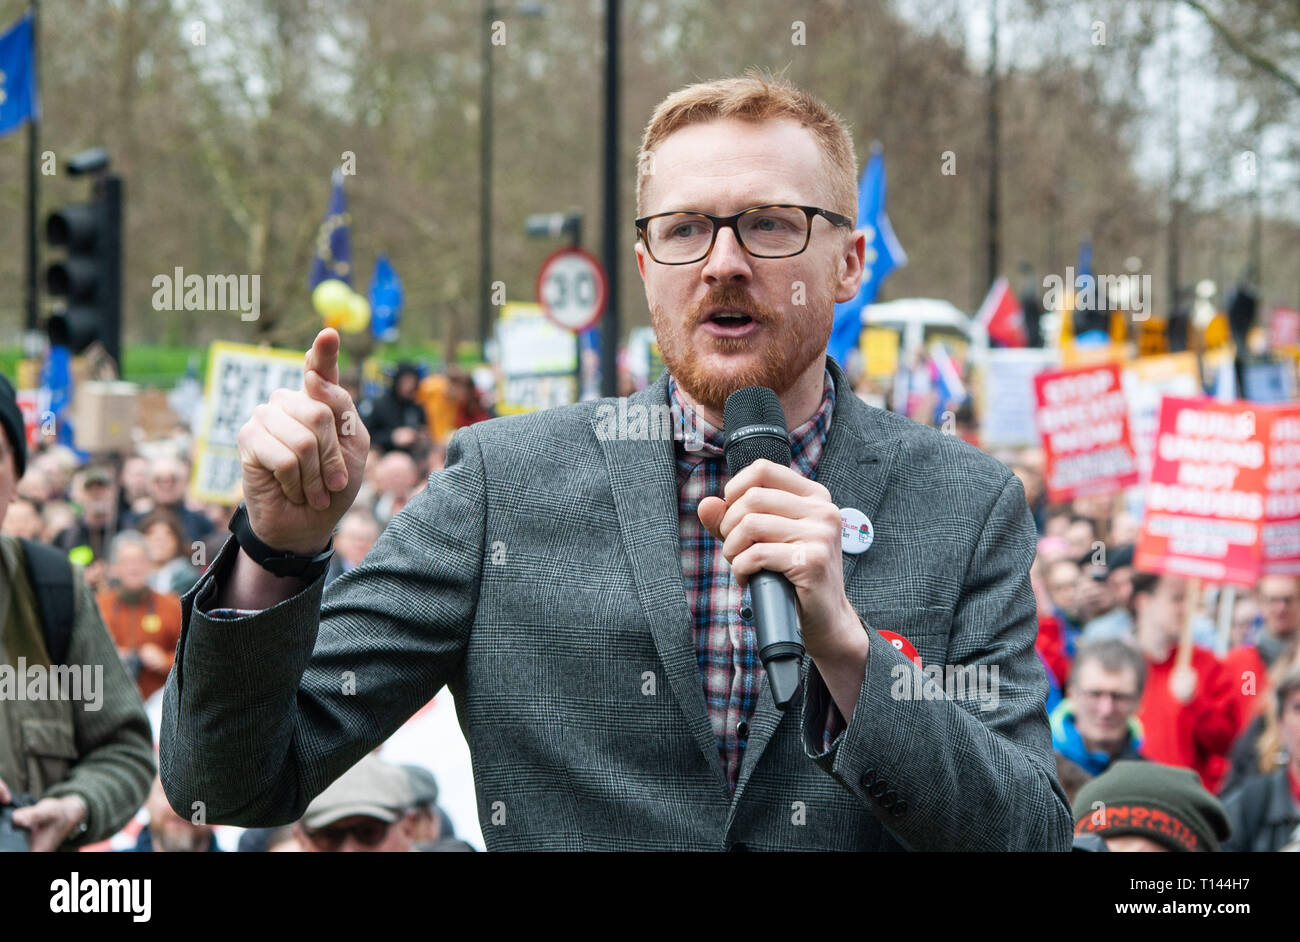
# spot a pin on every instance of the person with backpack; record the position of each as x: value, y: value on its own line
x: 76, y: 760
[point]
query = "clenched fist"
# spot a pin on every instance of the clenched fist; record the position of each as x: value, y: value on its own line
x: 303, y: 454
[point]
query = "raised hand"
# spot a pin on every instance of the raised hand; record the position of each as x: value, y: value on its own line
x: 303, y: 454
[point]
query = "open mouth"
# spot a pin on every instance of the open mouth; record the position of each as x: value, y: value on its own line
x: 729, y: 324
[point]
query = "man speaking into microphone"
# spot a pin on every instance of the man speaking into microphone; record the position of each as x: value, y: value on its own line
x: 584, y: 588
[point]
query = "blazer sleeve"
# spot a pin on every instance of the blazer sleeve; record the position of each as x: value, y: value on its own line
x: 967, y: 774
x: 262, y: 712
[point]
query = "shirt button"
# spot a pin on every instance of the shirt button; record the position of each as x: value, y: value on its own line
x: 746, y: 613
x: 742, y: 729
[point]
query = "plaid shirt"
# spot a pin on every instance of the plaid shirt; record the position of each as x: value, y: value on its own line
x: 724, y: 641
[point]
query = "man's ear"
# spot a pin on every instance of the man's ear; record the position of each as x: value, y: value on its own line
x: 640, y: 259
x: 852, y: 264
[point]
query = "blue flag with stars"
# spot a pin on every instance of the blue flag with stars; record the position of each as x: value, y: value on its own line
x: 17, y: 77
x: 883, y: 255
x: 333, y: 256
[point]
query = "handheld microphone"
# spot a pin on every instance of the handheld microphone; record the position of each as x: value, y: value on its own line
x: 754, y: 426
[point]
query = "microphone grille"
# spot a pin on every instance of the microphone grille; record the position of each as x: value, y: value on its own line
x: 755, y: 405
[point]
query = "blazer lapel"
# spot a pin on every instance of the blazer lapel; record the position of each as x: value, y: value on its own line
x: 643, y: 481
x: 855, y: 467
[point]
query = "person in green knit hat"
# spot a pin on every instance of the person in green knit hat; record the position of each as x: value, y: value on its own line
x: 1146, y: 806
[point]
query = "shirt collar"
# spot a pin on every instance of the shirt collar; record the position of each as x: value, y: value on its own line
x: 698, y: 439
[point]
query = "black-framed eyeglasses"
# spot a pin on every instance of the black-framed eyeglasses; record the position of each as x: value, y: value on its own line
x: 775, y: 230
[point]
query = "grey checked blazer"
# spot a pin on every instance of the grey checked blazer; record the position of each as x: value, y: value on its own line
x: 539, y: 577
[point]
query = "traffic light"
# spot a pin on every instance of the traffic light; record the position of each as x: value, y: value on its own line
x: 90, y: 275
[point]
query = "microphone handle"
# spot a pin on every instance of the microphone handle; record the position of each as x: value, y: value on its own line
x: 777, y: 632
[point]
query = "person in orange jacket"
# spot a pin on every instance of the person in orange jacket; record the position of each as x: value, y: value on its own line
x: 1189, y: 714
x: 145, y: 625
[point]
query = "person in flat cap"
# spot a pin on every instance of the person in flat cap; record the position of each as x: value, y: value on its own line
x: 1146, y: 806
x: 365, y: 810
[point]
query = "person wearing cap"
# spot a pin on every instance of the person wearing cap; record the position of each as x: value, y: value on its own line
x: 1265, y: 809
x: 98, y: 522
x: 1146, y: 806
x: 86, y: 763
x: 431, y: 828
x: 365, y: 810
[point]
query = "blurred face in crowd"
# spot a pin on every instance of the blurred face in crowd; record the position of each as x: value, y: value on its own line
x: 54, y: 471
x: 1290, y: 727
x: 135, y: 478
x: 98, y: 499
x: 22, y: 520
x: 59, y: 515
x: 1093, y: 594
x: 167, y: 482
x: 132, y: 567
x: 1103, y: 702
x: 721, y: 167
x: 1245, y: 613
x: 170, y: 832
x: 163, y: 547
x: 1123, y: 529
x: 357, y: 534
x: 358, y: 834
x: 397, y: 474
x: 1161, y: 615
x: 1120, y: 580
x: 1062, y: 585
x: 405, y: 385
x: 1079, y: 535
x: 1279, y: 598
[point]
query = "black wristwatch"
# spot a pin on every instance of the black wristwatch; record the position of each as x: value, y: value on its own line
x: 277, y: 562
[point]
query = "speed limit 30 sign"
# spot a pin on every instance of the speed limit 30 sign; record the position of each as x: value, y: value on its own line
x: 571, y: 289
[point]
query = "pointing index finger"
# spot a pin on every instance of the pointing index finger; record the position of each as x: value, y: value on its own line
x: 323, y: 357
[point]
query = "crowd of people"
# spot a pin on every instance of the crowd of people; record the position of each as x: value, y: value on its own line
x: 1124, y: 706
x: 1109, y: 638
x: 141, y: 541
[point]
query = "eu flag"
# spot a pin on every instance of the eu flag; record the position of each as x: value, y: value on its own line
x: 17, y: 77
x: 333, y: 256
x: 883, y: 255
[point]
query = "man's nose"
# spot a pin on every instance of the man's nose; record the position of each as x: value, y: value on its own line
x: 728, y: 262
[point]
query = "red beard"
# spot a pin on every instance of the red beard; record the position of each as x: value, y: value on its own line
x: 786, y: 345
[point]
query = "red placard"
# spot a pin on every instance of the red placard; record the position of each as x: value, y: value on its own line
x: 1082, y: 418
x: 1224, y: 499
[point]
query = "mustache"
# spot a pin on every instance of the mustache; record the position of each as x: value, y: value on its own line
x: 733, y: 299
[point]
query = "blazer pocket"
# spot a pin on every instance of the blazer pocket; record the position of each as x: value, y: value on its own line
x: 926, y: 627
x: 50, y: 747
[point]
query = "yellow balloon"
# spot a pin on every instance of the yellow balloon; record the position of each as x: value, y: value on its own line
x: 358, y: 317
x: 332, y: 300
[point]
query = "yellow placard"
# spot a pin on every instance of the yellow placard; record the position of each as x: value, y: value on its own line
x: 879, y: 347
